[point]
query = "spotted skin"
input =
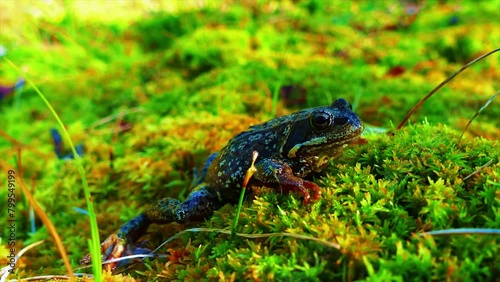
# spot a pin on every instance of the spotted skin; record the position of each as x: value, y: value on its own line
x: 290, y: 148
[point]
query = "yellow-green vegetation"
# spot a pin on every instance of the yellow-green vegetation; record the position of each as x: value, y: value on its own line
x: 151, y: 89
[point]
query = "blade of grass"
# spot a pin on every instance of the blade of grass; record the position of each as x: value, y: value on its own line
x: 251, y: 170
x: 95, y: 243
x: 43, y: 217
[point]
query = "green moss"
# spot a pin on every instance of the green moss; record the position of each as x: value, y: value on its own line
x: 374, y: 206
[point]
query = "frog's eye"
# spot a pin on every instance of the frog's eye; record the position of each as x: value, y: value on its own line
x: 321, y: 120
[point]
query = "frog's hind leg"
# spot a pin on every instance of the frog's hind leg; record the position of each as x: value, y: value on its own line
x: 199, y: 205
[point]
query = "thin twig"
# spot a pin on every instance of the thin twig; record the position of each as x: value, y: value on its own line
x: 479, y: 169
x: 477, y: 113
x: 417, y: 106
x: 251, y: 236
x: 462, y: 231
x: 117, y: 115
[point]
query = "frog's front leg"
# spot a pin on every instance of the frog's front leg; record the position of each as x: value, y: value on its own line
x: 199, y: 205
x: 276, y: 173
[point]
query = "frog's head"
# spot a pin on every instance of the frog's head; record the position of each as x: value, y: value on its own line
x: 322, y: 131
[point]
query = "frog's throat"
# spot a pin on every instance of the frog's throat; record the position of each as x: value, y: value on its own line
x: 317, y: 142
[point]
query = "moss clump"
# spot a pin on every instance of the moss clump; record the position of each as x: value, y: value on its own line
x: 374, y: 206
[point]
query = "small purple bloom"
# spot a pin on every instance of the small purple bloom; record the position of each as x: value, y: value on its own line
x: 5, y: 90
x: 8, y: 90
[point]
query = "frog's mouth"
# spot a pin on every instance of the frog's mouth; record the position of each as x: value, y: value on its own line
x: 323, y: 146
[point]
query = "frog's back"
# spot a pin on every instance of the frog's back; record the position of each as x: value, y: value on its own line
x: 302, y: 139
x: 228, y: 169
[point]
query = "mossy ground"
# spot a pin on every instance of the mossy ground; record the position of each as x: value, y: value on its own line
x: 190, y: 78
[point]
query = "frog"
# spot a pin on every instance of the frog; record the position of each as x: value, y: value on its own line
x: 290, y: 148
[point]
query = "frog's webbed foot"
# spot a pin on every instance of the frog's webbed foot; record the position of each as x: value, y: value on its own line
x: 278, y: 174
x: 310, y: 191
x: 303, y: 187
x: 116, y: 247
x: 120, y: 243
